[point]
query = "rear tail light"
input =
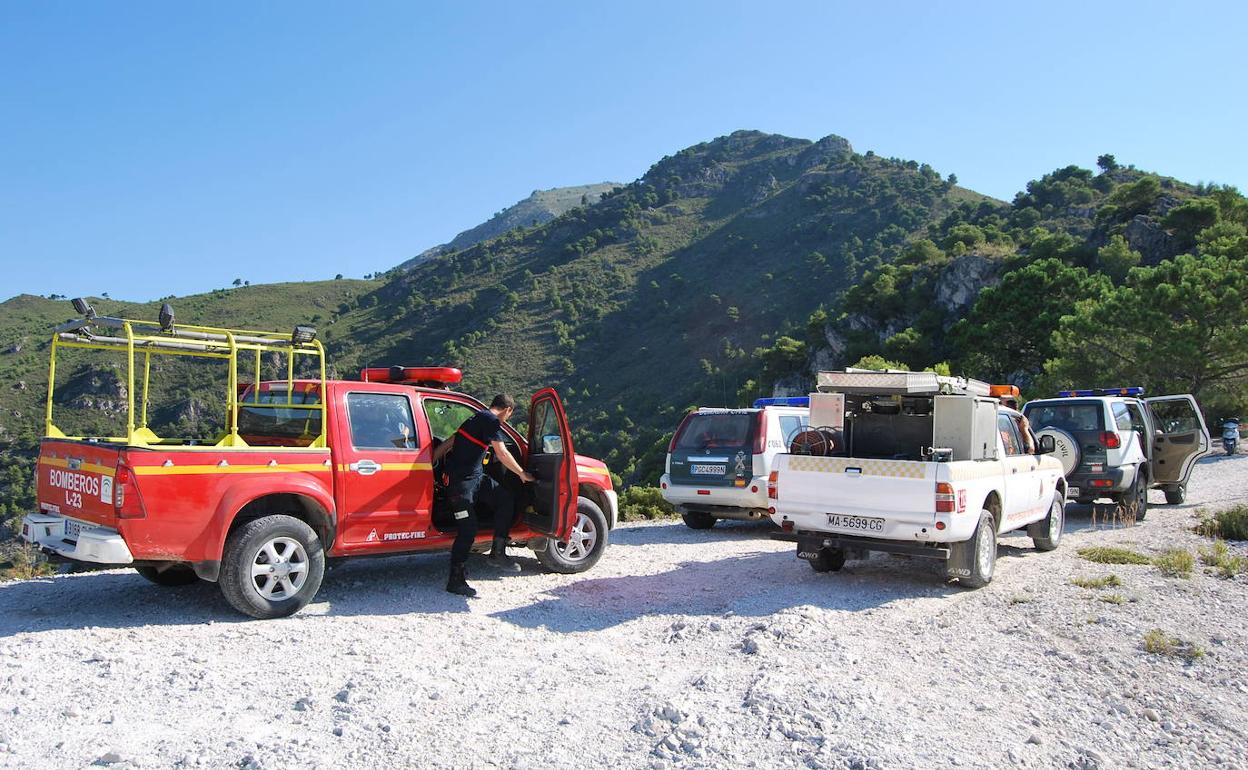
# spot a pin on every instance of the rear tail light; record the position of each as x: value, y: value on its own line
x: 946, y: 499
x: 760, y: 432
x: 671, y: 445
x: 773, y: 479
x: 1102, y: 482
x: 127, y: 501
x: 1110, y: 440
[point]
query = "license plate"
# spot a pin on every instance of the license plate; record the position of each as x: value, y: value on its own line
x: 855, y: 523
x: 72, y: 529
x: 709, y: 470
x: 1072, y: 492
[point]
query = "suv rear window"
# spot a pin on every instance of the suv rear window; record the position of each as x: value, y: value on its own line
x: 1070, y: 416
x: 728, y: 430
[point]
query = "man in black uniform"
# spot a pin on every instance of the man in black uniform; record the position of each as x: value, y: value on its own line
x: 469, y: 486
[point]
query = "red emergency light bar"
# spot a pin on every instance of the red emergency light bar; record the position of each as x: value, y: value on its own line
x: 428, y: 376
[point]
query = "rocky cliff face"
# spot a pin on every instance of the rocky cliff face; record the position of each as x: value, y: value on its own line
x: 963, y: 280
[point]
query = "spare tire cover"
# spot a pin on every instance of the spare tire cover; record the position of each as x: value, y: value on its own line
x: 1066, y: 448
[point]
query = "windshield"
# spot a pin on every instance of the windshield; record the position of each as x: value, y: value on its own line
x: 716, y: 431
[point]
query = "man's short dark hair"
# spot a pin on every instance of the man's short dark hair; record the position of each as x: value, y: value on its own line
x: 503, y: 401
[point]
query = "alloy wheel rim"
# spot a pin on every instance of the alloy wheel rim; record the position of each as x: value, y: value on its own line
x: 279, y: 569
x: 582, y: 540
x: 987, y: 550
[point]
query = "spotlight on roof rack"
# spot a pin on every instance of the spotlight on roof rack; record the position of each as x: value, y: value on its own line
x: 83, y: 307
x: 166, y: 317
x: 302, y: 335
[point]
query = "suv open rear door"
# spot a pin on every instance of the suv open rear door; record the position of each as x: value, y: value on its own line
x: 553, y: 462
x: 1180, y: 437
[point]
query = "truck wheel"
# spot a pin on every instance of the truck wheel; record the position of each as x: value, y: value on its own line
x: 830, y: 560
x: 583, y: 549
x: 1047, y: 533
x: 698, y: 520
x: 172, y: 575
x: 1137, y: 498
x: 973, y: 561
x: 272, y: 567
x: 1176, y: 494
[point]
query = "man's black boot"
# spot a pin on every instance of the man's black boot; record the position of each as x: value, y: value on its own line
x: 498, y: 558
x: 456, y: 583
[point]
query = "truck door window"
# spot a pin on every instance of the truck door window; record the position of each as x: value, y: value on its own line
x: 546, y: 430
x: 380, y: 421
x: 790, y: 426
x: 445, y: 417
x: 1122, y: 418
x: 1009, y: 435
x: 1175, y: 417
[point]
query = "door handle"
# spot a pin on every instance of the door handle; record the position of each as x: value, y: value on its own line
x: 365, y: 467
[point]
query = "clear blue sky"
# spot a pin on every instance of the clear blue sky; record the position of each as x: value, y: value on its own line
x: 167, y: 148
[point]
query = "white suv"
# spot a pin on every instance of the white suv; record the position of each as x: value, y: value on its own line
x: 718, y: 459
x: 1114, y: 444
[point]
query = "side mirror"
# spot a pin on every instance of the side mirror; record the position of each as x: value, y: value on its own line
x: 552, y: 445
x: 1047, y: 445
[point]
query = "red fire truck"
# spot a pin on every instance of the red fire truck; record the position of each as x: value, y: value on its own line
x: 306, y: 468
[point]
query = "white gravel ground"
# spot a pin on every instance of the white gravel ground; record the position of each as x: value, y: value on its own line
x: 714, y: 649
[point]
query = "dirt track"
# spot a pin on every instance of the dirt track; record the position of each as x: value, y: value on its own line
x: 682, y: 648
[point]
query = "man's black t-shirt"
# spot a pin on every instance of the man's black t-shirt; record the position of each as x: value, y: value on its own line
x: 471, y: 441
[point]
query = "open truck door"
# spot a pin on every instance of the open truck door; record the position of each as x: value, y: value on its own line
x: 1180, y: 438
x: 552, y: 461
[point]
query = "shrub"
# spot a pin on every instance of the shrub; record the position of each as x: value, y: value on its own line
x: 1219, y: 557
x: 1105, y: 581
x: 1113, y: 598
x: 638, y: 503
x: 1102, y: 554
x: 1228, y: 523
x: 1158, y: 642
x: 1177, y: 562
x: 22, y: 562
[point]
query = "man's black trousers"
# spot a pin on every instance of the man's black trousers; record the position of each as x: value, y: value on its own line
x: 471, y: 497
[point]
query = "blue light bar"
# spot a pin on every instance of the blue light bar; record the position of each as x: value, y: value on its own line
x: 1131, y: 392
x: 789, y: 401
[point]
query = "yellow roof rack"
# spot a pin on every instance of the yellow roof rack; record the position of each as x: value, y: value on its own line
x: 164, y: 337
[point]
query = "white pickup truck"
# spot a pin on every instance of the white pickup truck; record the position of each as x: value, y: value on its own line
x: 919, y: 464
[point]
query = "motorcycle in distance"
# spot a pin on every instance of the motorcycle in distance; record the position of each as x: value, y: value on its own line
x: 1230, y: 435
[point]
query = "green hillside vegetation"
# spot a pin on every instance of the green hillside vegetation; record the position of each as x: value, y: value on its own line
x: 738, y: 267
x: 654, y: 299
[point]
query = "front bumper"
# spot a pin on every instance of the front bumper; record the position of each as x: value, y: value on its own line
x: 75, y: 540
x: 748, y: 502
